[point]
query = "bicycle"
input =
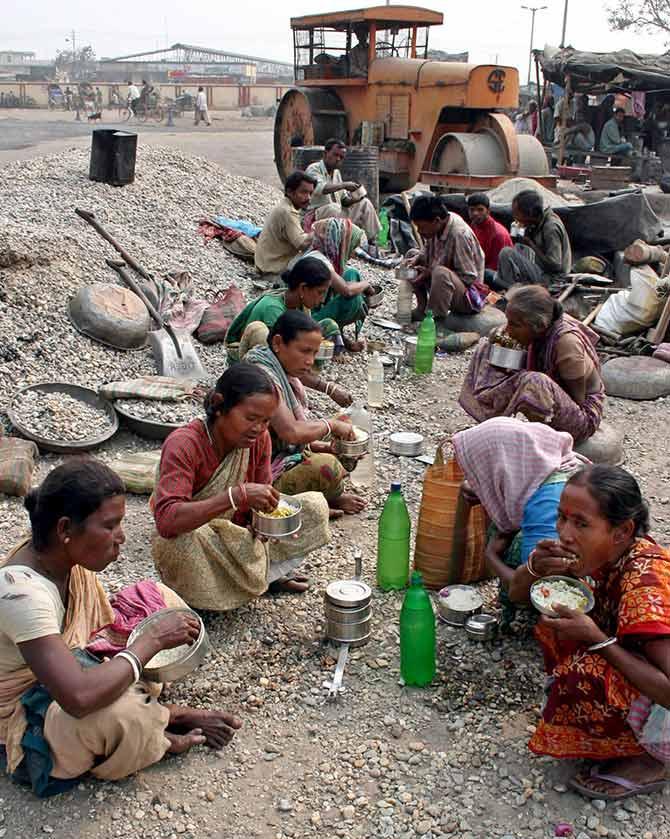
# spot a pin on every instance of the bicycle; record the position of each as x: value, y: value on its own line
x: 156, y: 113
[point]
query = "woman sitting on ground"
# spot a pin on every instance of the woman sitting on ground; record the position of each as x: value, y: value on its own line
x: 63, y: 711
x: 608, y: 686
x: 308, y: 284
x: 562, y: 385
x: 212, y: 473
x: 517, y: 471
x: 301, y: 461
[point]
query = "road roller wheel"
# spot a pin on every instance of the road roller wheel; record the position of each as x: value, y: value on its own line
x: 306, y: 117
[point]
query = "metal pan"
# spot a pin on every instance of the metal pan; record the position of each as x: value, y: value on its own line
x: 83, y: 394
x: 188, y: 658
x: 279, y: 528
x: 150, y: 429
x: 507, y: 358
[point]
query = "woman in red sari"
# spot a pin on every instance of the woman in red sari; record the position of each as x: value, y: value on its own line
x: 608, y: 685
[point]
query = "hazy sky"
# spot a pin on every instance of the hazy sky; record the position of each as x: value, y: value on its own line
x: 487, y: 28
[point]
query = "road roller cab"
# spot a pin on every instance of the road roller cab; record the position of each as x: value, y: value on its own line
x: 365, y: 76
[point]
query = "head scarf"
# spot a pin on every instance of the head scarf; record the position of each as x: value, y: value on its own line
x: 336, y: 238
x: 505, y: 460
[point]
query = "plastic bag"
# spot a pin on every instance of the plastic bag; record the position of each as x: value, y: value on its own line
x: 651, y: 726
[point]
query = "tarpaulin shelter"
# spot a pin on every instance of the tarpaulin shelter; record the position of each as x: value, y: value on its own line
x: 604, y: 72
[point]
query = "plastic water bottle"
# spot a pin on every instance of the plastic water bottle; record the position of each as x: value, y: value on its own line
x: 375, y: 381
x: 383, y: 235
x: 425, y: 345
x: 404, y: 302
x: 417, y: 635
x: 393, y: 537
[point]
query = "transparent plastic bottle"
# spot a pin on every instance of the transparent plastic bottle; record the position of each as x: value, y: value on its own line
x: 393, y: 538
x: 417, y: 635
x: 375, y: 381
x: 425, y: 345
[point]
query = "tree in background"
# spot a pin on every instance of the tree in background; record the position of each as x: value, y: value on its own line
x: 80, y: 64
x: 640, y: 16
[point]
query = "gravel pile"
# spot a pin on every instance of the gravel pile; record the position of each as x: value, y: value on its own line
x: 446, y: 762
x: 156, y: 411
x: 59, y: 416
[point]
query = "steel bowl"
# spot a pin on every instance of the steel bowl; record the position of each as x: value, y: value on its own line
x: 482, y: 627
x: 354, y: 634
x: 182, y: 660
x: 457, y: 617
x: 326, y: 351
x: 83, y: 394
x: 406, y: 443
x: 354, y: 448
x: 375, y: 299
x: 150, y: 429
x: 409, y: 348
x: 573, y: 581
x: 507, y: 358
x: 279, y: 528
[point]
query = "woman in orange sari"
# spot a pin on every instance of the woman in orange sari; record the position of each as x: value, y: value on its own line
x: 608, y: 685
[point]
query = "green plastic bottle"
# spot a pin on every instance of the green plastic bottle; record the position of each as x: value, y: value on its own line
x: 383, y: 235
x: 417, y: 635
x: 425, y: 345
x: 393, y: 542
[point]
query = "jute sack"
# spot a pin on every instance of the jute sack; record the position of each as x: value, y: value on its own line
x: 17, y: 463
x: 451, y: 534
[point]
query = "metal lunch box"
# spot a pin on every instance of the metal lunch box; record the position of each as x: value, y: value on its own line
x: 184, y: 660
x: 457, y: 617
x: 406, y: 443
x: 507, y: 358
x: 354, y: 448
x: 348, y: 610
x: 482, y: 627
x: 278, y: 528
x: 410, y: 350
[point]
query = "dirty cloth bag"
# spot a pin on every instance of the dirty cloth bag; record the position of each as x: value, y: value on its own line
x: 17, y: 463
x: 218, y: 317
x: 160, y: 388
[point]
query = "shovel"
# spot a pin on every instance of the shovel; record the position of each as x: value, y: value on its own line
x: 175, y: 356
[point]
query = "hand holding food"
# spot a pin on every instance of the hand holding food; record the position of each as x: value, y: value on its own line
x: 574, y: 625
x: 550, y: 558
x: 262, y: 497
x: 342, y: 430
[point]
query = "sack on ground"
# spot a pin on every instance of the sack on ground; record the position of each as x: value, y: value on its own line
x: 451, y: 534
x: 17, y: 463
x: 634, y: 309
x: 138, y: 471
x: 218, y: 317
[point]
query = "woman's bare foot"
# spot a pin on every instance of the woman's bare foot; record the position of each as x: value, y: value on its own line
x: 216, y: 728
x: 295, y: 584
x: 348, y: 503
x: 354, y: 346
x: 638, y: 771
x: 181, y: 743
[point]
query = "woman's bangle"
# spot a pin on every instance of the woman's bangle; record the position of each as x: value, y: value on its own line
x: 244, y: 502
x: 330, y: 385
x: 134, y: 662
x: 329, y: 429
x: 529, y: 566
x: 230, y: 498
x: 602, y: 644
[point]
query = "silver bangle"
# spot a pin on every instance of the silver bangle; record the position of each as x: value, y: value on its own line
x: 602, y: 644
x: 134, y: 662
x: 529, y: 566
x: 230, y: 498
x: 329, y: 430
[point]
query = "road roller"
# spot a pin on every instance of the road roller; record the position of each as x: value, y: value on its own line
x: 364, y: 76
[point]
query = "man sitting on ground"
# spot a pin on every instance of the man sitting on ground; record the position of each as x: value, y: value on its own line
x: 451, y: 263
x: 546, y: 252
x: 329, y: 200
x: 612, y: 141
x: 491, y: 235
x: 283, y: 236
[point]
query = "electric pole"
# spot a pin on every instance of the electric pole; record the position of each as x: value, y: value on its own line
x: 533, y: 11
x: 565, y: 23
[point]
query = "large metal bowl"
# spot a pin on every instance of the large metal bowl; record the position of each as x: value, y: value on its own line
x: 151, y: 429
x: 183, y: 660
x: 354, y: 448
x: 406, y: 443
x: 507, y: 358
x: 572, y: 581
x: 457, y: 617
x: 279, y: 528
x: 83, y: 394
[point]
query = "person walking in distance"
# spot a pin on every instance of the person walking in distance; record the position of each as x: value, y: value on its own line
x: 201, y: 112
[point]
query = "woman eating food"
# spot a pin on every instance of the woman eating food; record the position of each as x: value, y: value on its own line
x: 301, y: 459
x: 308, y: 284
x: 63, y: 711
x: 562, y: 385
x: 608, y: 672
x: 212, y: 474
x: 517, y: 471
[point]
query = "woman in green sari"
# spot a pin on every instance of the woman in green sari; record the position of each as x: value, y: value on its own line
x: 302, y: 461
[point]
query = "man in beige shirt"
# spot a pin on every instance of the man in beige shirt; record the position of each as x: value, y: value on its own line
x: 283, y: 236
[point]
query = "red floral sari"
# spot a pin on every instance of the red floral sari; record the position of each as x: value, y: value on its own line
x: 588, y: 701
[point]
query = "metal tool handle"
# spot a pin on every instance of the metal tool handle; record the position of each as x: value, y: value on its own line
x: 336, y: 684
x: 358, y: 563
